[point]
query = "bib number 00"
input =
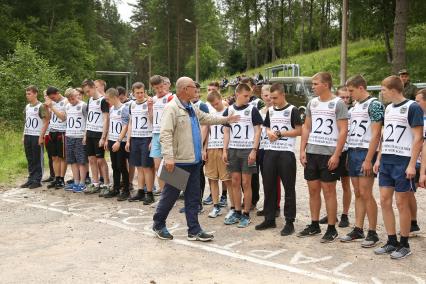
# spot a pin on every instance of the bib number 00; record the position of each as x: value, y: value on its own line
x: 31, y: 123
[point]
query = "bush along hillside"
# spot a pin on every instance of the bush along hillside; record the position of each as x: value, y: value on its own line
x: 366, y: 57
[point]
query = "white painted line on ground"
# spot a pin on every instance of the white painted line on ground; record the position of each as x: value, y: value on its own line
x: 57, y: 210
x: 263, y: 262
x: 116, y: 224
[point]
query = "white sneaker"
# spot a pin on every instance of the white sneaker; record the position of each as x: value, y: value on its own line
x: 216, y: 211
x: 230, y: 212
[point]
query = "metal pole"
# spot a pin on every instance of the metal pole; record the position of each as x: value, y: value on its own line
x: 197, y: 57
x: 344, y: 45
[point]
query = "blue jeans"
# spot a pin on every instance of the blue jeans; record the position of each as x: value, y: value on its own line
x: 192, y: 200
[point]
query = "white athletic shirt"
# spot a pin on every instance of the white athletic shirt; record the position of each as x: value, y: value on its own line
x: 419, y: 159
x: 216, y: 133
x: 359, y: 135
x: 264, y: 140
x: 397, y: 135
x: 115, y: 123
x: 281, y: 120
x: 56, y: 124
x: 76, y: 122
x: 158, y: 108
x: 95, y: 117
x: 324, y: 124
x: 141, y: 126
x: 346, y: 146
x: 33, y: 121
x: 242, y: 132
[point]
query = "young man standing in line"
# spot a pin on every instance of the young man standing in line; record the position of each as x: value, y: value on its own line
x: 97, y: 127
x: 241, y: 142
x: 213, y: 149
x: 283, y: 125
x: 36, y: 123
x: 57, y: 129
x: 323, y: 138
x: 161, y: 98
x: 139, y: 138
x: 366, y: 120
x: 400, y: 148
x: 75, y: 116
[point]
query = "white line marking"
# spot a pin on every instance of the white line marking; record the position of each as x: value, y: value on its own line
x: 262, y: 262
x: 116, y: 224
x: 376, y: 280
x: 299, y: 258
x: 228, y: 246
x: 416, y: 278
x: 11, y: 200
x: 265, y: 254
x: 56, y: 210
x: 336, y: 270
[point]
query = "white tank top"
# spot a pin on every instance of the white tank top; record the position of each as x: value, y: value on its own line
x: 359, y: 135
x: 397, y: 135
x: 95, y: 117
x: 324, y: 124
x: 141, y: 126
x: 33, y: 121
x: 216, y: 134
x: 115, y: 123
x: 158, y: 108
x: 56, y: 124
x: 264, y: 140
x: 76, y: 122
x: 281, y: 120
x: 242, y: 132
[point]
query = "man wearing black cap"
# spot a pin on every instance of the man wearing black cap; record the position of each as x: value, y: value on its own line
x: 410, y: 89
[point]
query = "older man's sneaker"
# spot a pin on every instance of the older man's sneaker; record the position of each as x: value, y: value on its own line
x: 288, y: 229
x: 371, y: 240
x: 310, y: 230
x: 329, y: 236
x: 163, y: 234
x: 386, y: 249
x: 400, y: 253
x: 201, y: 236
x: 266, y: 224
x: 26, y: 185
x: 34, y: 185
x: 355, y: 235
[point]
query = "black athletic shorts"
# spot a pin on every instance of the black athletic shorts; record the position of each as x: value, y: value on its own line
x: 317, y: 168
x: 342, y: 168
x: 93, y: 149
x: 56, y: 145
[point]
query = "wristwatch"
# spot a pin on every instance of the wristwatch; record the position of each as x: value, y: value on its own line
x: 278, y: 133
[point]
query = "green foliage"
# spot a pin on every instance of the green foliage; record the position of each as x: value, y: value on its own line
x: 22, y: 68
x: 234, y: 61
x: 209, y: 60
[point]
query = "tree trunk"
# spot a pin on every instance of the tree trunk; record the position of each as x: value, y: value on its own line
x: 256, y: 18
x: 311, y: 17
x: 321, y: 39
x: 247, y: 32
x: 282, y: 52
x: 399, y: 31
x: 344, y: 45
x: 274, y: 54
x: 168, y: 47
x: 290, y: 27
x: 386, y: 31
x: 302, y: 30
x: 267, y: 16
x: 177, y: 48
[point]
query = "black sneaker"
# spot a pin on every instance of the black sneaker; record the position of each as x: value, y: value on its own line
x: 149, y: 198
x: 329, y: 236
x: 201, y: 236
x: 124, y: 195
x: 25, y: 185
x: 344, y: 221
x: 288, y: 229
x: 163, y: 234
x: 139, y: 196
x: 34, y: 185
x: 414, y: 230
x: 324, y: 220
x: 260, y: 213
x: 60, y: 184
x: 267, y: 224
x: 52, y: 184
x: 354, y: 235
x: 310, y: 230
x: 371, y: 240
x: 49, y: 179
x: 112, y: 193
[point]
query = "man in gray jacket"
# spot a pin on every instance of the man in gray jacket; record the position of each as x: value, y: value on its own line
x: 180, y: 138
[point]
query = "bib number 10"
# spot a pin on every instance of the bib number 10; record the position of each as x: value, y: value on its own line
x: 116, y: 127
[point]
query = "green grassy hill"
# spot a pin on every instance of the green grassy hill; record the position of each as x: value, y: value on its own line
x: 366, y: 57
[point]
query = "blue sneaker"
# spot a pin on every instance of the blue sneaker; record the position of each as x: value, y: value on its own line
x: 208, y: 200
x: 244, y: 221
x: 223, y: 201
x: 233, y: 219
x: 70, y: 186
x: 78, y: 188
x: 163, y: 234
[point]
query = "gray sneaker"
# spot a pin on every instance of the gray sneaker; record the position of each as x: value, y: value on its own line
x: 371, y: 240
x: 400, y: 253
x: 354, y: 235
x: 92, y: 189
x: 386, y: 249
x: 103, y: 189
